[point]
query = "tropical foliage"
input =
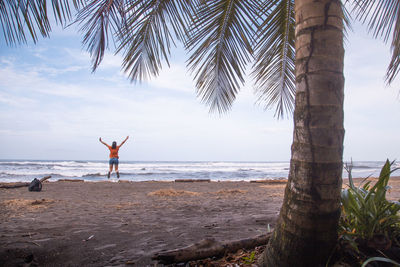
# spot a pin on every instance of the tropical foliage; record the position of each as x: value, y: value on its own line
x: 368, y: 219
x: 383, y: 19
x: 22, y: 20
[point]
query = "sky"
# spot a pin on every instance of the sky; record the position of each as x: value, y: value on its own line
x: 53, y: 107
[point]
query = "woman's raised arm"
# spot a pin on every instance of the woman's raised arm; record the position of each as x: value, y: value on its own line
x: 123, y: 142
x: 101, y: 141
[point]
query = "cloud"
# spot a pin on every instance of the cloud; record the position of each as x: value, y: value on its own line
x: 175, y: 78
x: 16, y: 101
x: 112, y: 61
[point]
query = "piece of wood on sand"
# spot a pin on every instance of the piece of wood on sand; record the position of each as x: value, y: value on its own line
x: 271, y: 181
x: 71, y: 180
x: 191, y: 180
x: 16, y: 185
x: 208, y: 248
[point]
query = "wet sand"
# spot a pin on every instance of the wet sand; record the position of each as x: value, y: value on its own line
x: 111, y: 224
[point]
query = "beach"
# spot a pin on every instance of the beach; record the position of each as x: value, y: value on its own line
x: 118, y: 223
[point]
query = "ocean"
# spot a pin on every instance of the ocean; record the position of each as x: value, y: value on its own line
x: 26, y: 170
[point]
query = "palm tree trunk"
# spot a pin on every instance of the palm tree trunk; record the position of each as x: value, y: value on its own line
x: 306, y: 232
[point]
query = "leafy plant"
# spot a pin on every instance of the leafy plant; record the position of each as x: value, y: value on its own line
x: 250, y: 259
x: 368, y: 218
x: 365, y: 210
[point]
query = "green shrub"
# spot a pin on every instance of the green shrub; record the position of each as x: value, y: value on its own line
x: 250, y: 259
x: 366, y: 213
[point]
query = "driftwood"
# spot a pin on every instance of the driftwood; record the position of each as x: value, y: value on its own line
x: 208, y: 248
x: 191, y: 180
x: 280, y: 181
x: 70, y: 180
x: 17, y: 185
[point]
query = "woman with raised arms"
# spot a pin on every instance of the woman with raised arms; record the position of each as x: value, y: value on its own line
x: 113, y: 155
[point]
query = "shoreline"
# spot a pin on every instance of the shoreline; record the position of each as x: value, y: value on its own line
x: 106, y: 223
x: 26, y: 171
x: 116, y: 180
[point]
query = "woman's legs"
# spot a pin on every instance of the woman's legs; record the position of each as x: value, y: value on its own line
x: 113, y: 161
x: 109, y: 172
x: 116, y: 170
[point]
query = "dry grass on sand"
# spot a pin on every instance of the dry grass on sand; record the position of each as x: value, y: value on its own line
x: 172, y: 193
x: 26, y: 205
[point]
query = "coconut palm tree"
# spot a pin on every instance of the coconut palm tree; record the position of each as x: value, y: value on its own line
x: 296, y: 47
x: 307, y: 226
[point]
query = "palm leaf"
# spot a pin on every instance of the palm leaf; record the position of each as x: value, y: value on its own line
x: 99, y: 19
x: 62, y: 9
x: 383, y: 18
x: 275, y: 57
x: 146, y: 37
x: 220, y: 43
x: 19, y: 17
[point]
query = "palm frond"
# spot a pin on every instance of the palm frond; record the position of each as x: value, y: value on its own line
x: 23, y: 18
x: 220, y: 42
x: 273, y: 70
x: 99, y: 20
x: 20, y: 16
x: 347, y: 19
x: 383, y: 18
x: 146, y: 37
x: 62, y: 9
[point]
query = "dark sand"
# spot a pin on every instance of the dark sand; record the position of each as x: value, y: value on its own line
x: 111, y: 224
